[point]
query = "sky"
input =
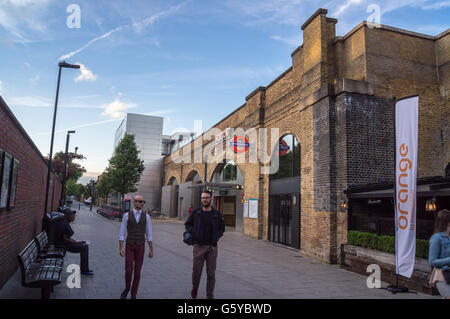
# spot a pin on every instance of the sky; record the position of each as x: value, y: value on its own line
x: 181, y: 60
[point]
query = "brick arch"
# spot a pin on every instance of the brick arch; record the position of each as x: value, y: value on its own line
x: 191, y: 175
x: 171, y: 180
x: 287, y: 126
x: 219, y: 167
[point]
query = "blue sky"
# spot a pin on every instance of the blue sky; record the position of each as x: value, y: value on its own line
x: 182, y: 60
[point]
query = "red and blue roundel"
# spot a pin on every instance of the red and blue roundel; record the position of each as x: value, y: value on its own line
x: 240, y: 144
x: 284, y: 148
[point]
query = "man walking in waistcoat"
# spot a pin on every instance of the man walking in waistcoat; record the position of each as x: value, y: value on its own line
x: 206, y: 226
x: 137, y: 224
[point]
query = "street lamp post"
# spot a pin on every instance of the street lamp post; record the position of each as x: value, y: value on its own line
x: 63, y: 190
x: 61, y: 65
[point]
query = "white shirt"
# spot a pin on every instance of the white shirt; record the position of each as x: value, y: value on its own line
x: 137, y: 216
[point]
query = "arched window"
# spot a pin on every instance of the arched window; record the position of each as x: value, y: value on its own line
x: 288, y: 157
x: 230, y: 172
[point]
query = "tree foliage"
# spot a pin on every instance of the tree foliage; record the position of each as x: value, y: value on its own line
x: 74, y: 170
x: 125, y: 166
x: 104, y: 186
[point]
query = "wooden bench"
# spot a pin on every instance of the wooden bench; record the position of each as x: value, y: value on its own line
x: 47, y: 250
x: 39, y: 273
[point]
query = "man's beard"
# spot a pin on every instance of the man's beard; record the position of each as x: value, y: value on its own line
x: 206, y: 206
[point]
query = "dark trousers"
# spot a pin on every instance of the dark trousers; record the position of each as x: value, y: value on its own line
x: 134, y: 257
x: 83, y: 250
x: 201, y: 254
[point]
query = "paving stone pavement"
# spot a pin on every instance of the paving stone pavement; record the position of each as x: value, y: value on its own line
x: 246, y: 268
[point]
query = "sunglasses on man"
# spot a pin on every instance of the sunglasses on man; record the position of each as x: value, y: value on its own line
x: 140, y: 201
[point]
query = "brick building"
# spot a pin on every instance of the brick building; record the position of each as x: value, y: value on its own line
x: 23, y: 172
x: 334, y: 110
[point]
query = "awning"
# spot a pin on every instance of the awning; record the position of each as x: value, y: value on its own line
x: 426, y: 187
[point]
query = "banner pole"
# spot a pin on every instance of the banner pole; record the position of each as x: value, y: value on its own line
x: 395, y: 288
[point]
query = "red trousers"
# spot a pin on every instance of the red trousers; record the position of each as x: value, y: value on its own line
x: 134, y: 257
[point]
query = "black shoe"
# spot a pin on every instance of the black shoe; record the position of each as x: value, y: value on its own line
x: 124, y: 294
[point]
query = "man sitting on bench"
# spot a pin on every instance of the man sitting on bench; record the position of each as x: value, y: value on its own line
x: 63, y: 237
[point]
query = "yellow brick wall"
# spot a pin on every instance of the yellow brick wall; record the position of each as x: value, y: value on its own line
x: 393, y: 64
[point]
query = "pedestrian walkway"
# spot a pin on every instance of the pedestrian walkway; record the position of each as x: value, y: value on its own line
x: 246, y: 268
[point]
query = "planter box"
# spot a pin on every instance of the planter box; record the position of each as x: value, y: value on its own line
x: 357, y: 259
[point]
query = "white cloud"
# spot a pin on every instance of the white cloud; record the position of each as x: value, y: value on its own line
x: 85, y: 74
x: 75, y: 127
x: 180, y: 130
x: 30, y: 101
x: 39, y: 101
x: 116, y: 109
x: 35, y: 79
x: 341, y: 9
x: 294, y: 41
x: 437, y: 5
x: 23, y: 18
x: 99, y: 122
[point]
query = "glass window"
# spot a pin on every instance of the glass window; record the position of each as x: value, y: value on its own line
x: 286, y: 156
x: 12, y: 196
x: 7, y: 161
x: 230, y: 172
x: 289, y: 157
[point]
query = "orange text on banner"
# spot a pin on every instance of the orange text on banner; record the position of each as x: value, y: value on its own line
x: 402, y: 194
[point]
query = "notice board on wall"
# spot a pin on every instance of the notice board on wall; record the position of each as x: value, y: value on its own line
x: 252, y: 208
x: 245, y: 208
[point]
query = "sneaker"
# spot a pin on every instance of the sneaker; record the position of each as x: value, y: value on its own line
x: 194, y: 293
x: 124, y: 294
x: 88, y: 273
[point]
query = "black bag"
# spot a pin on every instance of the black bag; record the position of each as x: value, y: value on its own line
x: 187, y: 238
x: 446, y: 274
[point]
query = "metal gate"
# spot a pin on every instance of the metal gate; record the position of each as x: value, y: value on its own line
x: 284, y: 220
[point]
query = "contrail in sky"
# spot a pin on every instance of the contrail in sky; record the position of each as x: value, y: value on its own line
x: 137, y: 25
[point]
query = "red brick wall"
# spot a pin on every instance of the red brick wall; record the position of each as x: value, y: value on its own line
x: 20, y: 224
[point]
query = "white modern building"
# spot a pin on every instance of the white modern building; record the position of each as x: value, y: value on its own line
x: 153, y: 146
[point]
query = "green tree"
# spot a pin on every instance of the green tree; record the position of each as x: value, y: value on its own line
x: 80, y: 190
x: 104, y: 186
x: 88, y: 189
x: 72, y: 188
x: 125, y: 167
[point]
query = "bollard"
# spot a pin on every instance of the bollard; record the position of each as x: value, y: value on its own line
x: 79, y: 206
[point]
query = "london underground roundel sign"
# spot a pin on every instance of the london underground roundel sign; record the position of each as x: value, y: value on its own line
x: 240, y: 144
x: 284, y: 148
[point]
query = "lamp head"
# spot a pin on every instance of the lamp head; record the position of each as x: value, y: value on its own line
x: 64, y: 64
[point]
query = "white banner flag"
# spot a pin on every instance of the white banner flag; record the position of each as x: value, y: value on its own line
x: 406, y: 132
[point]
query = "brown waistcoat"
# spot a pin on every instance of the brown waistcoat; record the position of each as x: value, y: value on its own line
x: 136, y: 231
